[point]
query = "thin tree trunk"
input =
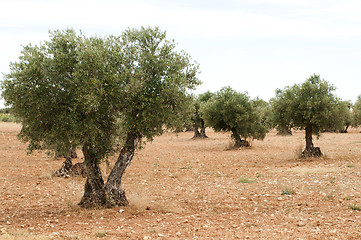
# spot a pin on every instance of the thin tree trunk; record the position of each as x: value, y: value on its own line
x: 94, y: 192
x: 114, y: 191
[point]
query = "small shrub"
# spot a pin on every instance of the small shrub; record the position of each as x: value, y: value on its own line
x: 288, y: 191
x: 245, y: 180
x: 100, y: 234
x: 354, y: 207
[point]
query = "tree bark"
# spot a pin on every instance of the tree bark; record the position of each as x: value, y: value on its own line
x: 203, y: 130
x: 94, y: 192
x: 284, y: 131
x: 196, y: 132
x: 114, y: 191
x: 310, y: 150
x: 64, y: 171
x: 308, y: 137
x: 202, y: 133
x: 238, y: 141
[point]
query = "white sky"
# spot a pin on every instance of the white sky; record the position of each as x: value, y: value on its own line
x: 250, y: 45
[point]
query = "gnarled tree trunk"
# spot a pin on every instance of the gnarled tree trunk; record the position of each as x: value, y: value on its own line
x: 202, y: 133
x: 284, y: 130
x: 238, y: 141
x: 203, y: 130
x: 310, y: 150
x: 67, y: 166
x: 94, y: 192
x: 114, y: 191
x: 64, y: 171
x: 197, y: 134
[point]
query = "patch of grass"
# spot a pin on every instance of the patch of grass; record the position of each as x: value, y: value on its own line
x: 288, y: 191
x: 245, y: 180
x: 101, y: 234
x: 333, y: 180
x: 354, y: 207
x: 350, y: 166
x: 330, y: 196
x: 186, y: 167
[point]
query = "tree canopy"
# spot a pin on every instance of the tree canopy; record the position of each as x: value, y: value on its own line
x: 232, y: 111
x: 100, y: 95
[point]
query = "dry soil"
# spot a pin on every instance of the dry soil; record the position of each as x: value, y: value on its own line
x: 181, y: 188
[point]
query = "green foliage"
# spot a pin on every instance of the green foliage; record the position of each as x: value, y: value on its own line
x: 264, y: 111
x: 310, y: 103
x: 4, y: 117
x: 159, y: 79
x: 229, y: 110
x: 342, y: 117
x: 75, y: 91
x: 5, y: 110
x: 197, y: 117
x: 357, y: 112
x: 281, y: 111
x: 245, y: 180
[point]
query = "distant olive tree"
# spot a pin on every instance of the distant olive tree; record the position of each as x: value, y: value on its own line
x: 342, y: 117
x: 356, y: 121
x: 281, y: 112
x: 197, y: 118
x: 233, y: 112
x: 309, y: 106
x: 264, y: 111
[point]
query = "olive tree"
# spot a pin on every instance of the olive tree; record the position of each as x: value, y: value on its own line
x: 281, y: 112
x: 342, y: 117
x: 100, y: 95
x: 357, y: 112
x: 197, y: 118
x: 308, y: 106
x: 232, y: 111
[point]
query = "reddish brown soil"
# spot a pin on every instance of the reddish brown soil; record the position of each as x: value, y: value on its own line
x: 180, y: 188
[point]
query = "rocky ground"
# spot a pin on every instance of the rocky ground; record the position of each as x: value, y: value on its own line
x: 180, y: 188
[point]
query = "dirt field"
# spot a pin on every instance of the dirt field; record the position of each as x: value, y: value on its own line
x: 181, y: 188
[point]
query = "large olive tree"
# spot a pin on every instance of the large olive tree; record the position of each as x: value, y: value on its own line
x: 232, y: 111
x: 100, y: 95
x: 309, y: 106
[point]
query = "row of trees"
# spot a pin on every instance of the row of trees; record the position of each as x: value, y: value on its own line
x: 110, y: 95
x: 310, y: 106
x: 101, y: 95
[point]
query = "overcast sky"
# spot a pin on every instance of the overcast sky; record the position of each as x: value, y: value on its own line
x: 250, y: 45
